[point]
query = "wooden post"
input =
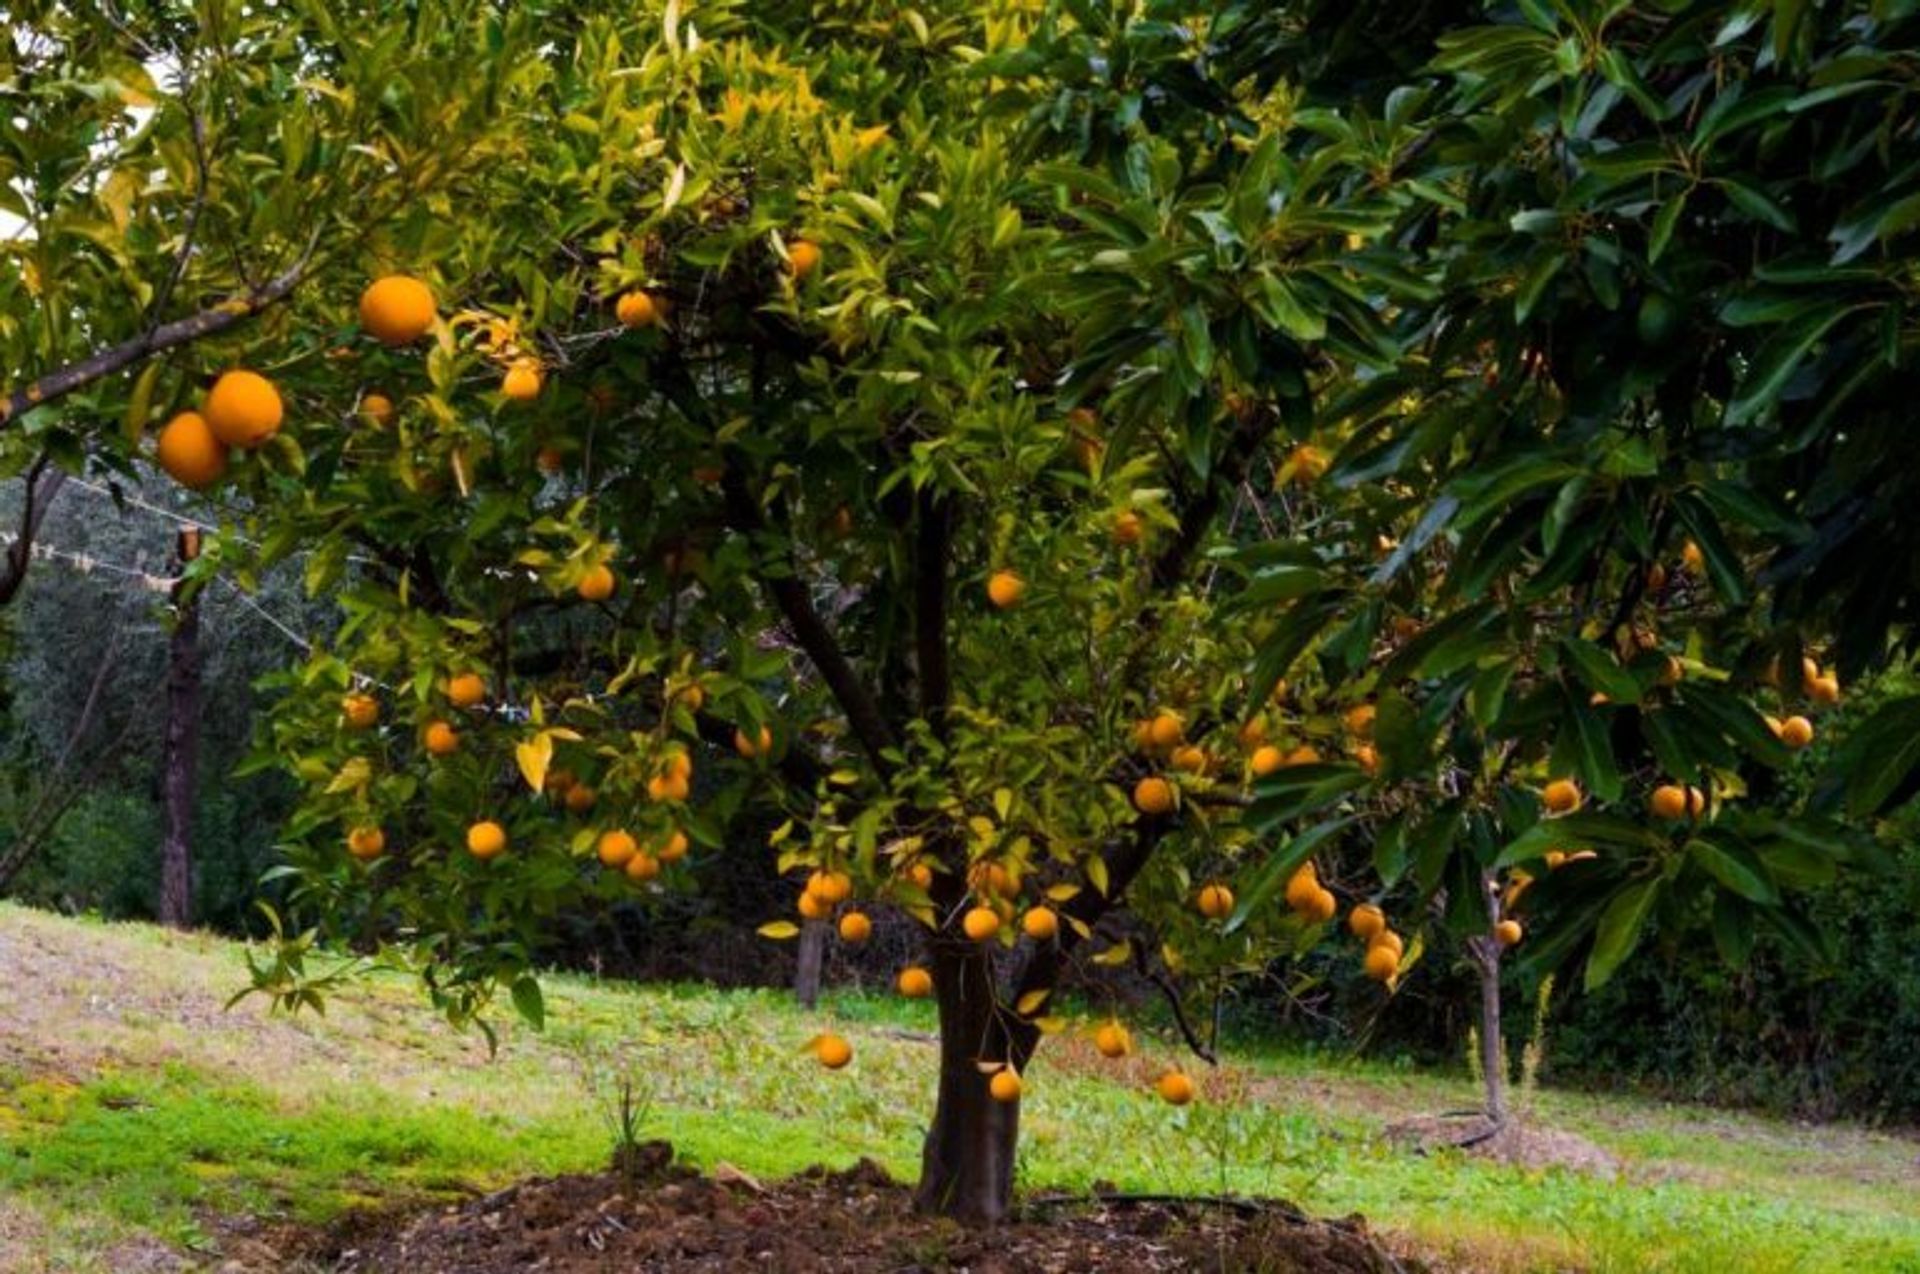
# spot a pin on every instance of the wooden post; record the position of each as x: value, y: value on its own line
x: 181, y: 758
x: 813, y: 955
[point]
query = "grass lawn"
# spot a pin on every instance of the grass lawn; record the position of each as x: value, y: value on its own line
x: 134, y: 1110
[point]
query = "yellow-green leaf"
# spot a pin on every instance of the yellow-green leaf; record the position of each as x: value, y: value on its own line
x: 534, y: 756
x: 779, y: 930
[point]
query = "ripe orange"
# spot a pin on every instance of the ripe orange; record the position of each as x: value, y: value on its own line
x: 1669, y: 801
x: 1696, y: 802
x: 1214, y: 901
x: 550, y: 460
x: 189, y: 452
x: 1305, y: 754
x: 361, y: 711
x: 1693, y: 559
x: 441, y: 739
x: 243, y: 409
x: 1367, y: 757
x: 366, y: 842
x: 1190, y: 759
x: 377, y: 408
x: 597, y: 584
x: 467, y: 690
x: 1508, y: 933
x: 753, y: 747
x: 1562, y: 796
x: 1040, y: 923
x: 396, y: 309
x: 1391, y: 940
x: 1175, y: 1088
x: 980, y: 923
x: 617, y: 847
x: 1307, y: 464
x: 579, y: 798
x: 1673, y: 672
x: 1265, y: 760
x: 669, y: 787
x: 1796, y: 732
x: 921, y: 875
x: 1366, y: 921
x: 1165, y: 730
x: 486, y: 839
x: 1153, y: 796
x: 1004, y: 1086
x: 642, y: 867
x: 811, y: 908
x: 1303, y: 887
x: 990, y: 880
x: 1128, y: 528
x: 673, y: 848
x: 855, y: 928
x: 1321, y: 907
x: 914, y: 982
x: 1381, y: 962
x: 830, y: 886
x: 522, y: 381
x: 803, y: 258
x: 1253, y: 733
x: 1824, y: 689
x: 1656, y: 579
x: 680, y: 765
x: 636, y: 309
x: 691, y: 696
x: 1359, y: 720
x: 1006, y: 588
x: 1113, y: 1040
x: 832, y: 1051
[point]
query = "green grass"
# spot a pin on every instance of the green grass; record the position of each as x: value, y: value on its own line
x: 160, y: 1112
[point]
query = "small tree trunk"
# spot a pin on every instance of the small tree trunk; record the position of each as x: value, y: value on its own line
x: 1492, y: 1059
x: 966, y: 1165
x: 813, y: 956
x: 182, y: 749
x: 1493, y: 1071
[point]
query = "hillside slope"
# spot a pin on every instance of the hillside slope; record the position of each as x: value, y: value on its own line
x: 145, y: 1127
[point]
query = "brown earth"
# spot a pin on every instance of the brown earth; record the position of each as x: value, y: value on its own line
x: 857, y: 1222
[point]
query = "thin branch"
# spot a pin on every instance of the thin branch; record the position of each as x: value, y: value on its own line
x: 41, y: 488
x: 58, y: 384
x: 1172, y: 994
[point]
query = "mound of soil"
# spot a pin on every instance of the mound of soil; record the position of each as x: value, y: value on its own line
x: 858, y: 1221
x: 1523, y: 1144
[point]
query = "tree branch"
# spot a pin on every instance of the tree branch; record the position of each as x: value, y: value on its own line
x: 35, y: 503
x: 58, y: 384
x: 1172, y: 993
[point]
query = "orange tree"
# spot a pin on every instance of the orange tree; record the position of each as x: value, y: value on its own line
x: 949, y: 432
x: 762, y: 434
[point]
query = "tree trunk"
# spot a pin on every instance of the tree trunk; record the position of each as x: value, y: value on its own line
x: 1493, y: 1070
x: 966, y: 1165
x: 813, y: 955
x: 182, y: 750
x: 1492, y: 1056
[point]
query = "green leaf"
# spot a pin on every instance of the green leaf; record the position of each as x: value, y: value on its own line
x: 1732, y: 930
x: 528, y: 1001
x: 1879, y: 756
x: 1582, y: 747
x: 1578, y: 830
x: 1600, y: 671
x: 1734, y: 866
x: 1619, y: 930
x: 1278, y: 303
x: 1663, y: 223
x: 1776, y: 360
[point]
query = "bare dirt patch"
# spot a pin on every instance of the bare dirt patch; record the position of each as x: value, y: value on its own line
x: 1521, y: 1144
x: 857, y: 1222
